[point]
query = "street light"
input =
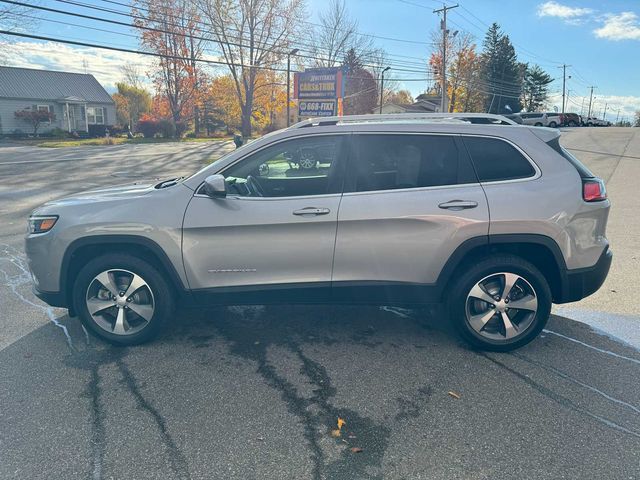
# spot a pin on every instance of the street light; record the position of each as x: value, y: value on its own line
x: 292, y: 52
x: 382, y: 86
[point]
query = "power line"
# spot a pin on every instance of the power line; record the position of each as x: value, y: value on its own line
x: 398, y: 66
x: 159, y: 30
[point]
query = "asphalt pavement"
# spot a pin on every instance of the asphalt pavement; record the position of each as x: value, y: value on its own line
x: 255, y: 392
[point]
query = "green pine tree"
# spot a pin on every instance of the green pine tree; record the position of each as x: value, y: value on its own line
x: 535, y: 89
x: 502, y: 74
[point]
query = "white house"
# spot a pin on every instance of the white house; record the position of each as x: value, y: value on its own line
x: 76, y: 99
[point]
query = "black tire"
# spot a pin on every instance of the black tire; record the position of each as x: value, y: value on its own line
x: 573, y: 124
x: 537, y: 124
x: 553, y: 124
x: 160, y: 289
x: 469, y: 277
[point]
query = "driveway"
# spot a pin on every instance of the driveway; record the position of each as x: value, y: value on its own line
x: 255, y: 392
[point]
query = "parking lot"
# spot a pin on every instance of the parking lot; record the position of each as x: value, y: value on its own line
x: 255, y: 392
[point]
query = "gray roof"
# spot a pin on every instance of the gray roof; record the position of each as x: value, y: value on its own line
x: 50, y: 85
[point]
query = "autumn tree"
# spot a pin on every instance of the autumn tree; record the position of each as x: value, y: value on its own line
x: 169, y: 28
x: 131, y: 103
x: 535, y: 88
x: 400, y: 97
x: 35, y: 118
x: 336, y: 34
x: 502, y: 74
x: 269, y: 100
x: 463, y: 87
x: 252, y: 35
x: 131, y: 74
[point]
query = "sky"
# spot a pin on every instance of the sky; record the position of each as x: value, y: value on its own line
x: 599, y: 41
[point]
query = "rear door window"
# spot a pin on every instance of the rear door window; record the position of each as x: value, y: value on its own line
x: 398, y: 161
x: 497, y: 160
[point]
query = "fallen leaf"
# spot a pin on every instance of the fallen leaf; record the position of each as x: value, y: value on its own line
x: 356, y: 450
x: 335, y: 433
x: 454, y: 395
x: 341, y: 423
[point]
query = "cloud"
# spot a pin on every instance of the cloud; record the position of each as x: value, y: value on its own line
x: 555, y: 9
x: 622, y: 26
x: 103, y: 64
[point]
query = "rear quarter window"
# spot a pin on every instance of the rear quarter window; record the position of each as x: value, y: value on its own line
x: 496, y: 160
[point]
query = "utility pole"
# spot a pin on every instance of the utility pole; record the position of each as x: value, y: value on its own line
x: 564, y: 83
x: 618, y: 116
x: 590, y: 100
x: 292, y: 52
x: 443, y: 26
x: 582, y: 107
x: 382, y: 86
x: 604, y: 115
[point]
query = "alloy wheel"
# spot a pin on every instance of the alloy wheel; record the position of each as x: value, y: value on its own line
x: 501, y: 306
x: 307, y: 160
x: 120, y: 302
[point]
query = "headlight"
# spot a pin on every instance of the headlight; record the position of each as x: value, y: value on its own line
x: 42, y: 224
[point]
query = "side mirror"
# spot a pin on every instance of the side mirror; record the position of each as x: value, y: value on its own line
x: 215, y: 186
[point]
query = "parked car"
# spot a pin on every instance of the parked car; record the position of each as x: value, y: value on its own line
x: 554, y: 119
x: 571, y: 119
x: 596, y: 122
x: 495, y: 222
x: 537, y: 119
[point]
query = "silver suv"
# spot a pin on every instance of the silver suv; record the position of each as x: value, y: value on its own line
x: 494, y: 220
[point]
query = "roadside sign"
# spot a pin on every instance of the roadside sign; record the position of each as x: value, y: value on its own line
x: 319, y: 92
x: 317, y: 108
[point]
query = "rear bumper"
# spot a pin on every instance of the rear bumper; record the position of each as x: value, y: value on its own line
x: 580, y: 283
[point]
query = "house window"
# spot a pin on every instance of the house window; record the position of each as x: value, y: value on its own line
x: 95, y: 115
x: 44, y: 108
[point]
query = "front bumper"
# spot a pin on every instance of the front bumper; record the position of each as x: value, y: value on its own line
x: 55, y: 299
x: 580, y: 283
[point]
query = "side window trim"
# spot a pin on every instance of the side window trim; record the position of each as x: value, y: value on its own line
x: 537, y: 172
x: 342, y: 160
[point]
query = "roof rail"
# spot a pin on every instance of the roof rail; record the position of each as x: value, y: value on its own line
x: 484, y: 118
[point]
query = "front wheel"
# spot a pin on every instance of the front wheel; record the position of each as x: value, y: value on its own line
x: 500, y: 303
x: 553, y: 125
x: 122, y: 299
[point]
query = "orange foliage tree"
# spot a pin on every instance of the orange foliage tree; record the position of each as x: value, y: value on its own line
x: 269, y: 101
x: 169, y: 28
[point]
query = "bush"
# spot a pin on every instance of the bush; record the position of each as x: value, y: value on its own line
x: 96, y: 131
x: 167, y: 128
x: 58, y: 133
x: 149, y: 127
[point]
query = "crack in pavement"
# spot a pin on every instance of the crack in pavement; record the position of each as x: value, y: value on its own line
x: 559, y: 399
x: 316, y: 412
x: 22, y: 279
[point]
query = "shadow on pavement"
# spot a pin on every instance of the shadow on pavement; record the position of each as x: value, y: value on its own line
x: 255, y: 392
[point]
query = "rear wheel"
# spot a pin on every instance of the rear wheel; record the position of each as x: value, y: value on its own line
x: 553, y: 124
x: 500, y: 303
x: 122, y: 299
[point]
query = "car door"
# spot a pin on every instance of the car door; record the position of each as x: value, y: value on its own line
x: 276, y: 227
x: 409, y: 201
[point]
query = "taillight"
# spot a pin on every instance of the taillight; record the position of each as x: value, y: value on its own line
x: 593, y: 190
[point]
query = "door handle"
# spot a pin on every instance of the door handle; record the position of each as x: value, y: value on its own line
x: 312, y: 211
x: 458, y: 205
